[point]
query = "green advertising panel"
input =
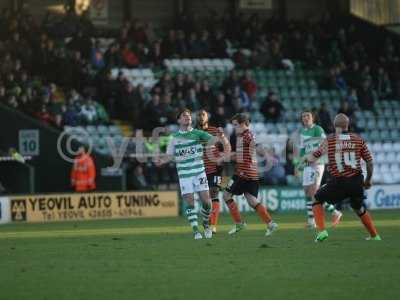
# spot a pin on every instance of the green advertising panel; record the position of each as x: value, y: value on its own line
x: 279, y: 199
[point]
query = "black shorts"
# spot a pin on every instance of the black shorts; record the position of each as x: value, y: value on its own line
x: 239, y: 186
x: 336, y: 190
x: 214, y: 180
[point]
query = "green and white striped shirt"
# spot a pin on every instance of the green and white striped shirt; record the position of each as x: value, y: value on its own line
x: 310, y: 140
x: 187, y: 149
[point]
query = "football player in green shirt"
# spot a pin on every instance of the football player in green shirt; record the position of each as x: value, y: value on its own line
x: 311, y: 136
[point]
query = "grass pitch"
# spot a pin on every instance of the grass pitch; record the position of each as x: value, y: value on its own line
x: 158, y: 259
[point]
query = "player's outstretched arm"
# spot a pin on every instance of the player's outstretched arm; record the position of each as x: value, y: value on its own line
x: 224, y: 140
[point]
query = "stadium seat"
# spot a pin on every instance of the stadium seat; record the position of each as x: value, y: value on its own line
x: 114, y: 130
x: 387, y: 147
x: 394, y: 167
x: 396, y: 147
x: 103, y: 130
x: 376, y: 147
x: 380, y: 157
x: 377, y: 176
x: 371, y: 124
x: 394, y: 134
x: 385, y: 135
x: 92, y: 130
x: 387, y: 178
x: 391, y: 123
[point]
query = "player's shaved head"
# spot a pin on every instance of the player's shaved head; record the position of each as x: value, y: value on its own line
x: 341, y: 122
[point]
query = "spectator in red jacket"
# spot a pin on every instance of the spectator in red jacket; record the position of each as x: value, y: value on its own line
x: 129, y: 57
x: 249, y: 85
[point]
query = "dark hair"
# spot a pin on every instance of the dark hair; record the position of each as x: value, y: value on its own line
x: 241, y: 118
x: 308, y: 111
x: 180, y: 112
x: 202, y: 110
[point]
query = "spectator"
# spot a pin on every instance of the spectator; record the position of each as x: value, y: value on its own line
x: 353, y: 76
x: 220, y: 112
x: 179, y: 84
x: 97, y: 57
x: 83, y: 173
x: 195, y: 46
x: 366, y: 74
x: 108, y: 90
x: 181, y: 47
x: 346, y: 109
x: 88, y: 112
x: 336, y: 80
x: 249, y: 85
x: 26, y: 105
x: 230, y: 83
x: 102, y: 115
x: 352, y: 98
x: 45, y: 116
x: 272, y: 109
x: 70, y: 115
x: 2, y: 94
x: 236, y: 106
x: 366, y: 96
x: 219, y: 45
x: 127, y: 107
x: 244, y: 100
x: 153, y: 113
x: 79, y: 71
x: 169, y: 46
x: 206, y: 96
x: 383, y: 84
x: 156, y: 55
x: 129, y: 57
x: 191, y: 100
x: 12, y: 102
x: 275, y: 174
x: 81, y: 43
x: 168, y: 115
x: 112, y: 57
x: 139, y: 181
x: 324, y: 118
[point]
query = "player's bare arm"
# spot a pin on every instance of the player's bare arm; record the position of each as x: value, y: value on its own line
x: 370, y: 171
x: 225, y: 155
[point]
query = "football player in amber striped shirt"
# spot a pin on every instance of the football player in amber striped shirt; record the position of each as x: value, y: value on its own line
x: 245, y: 181
x: 213, y: 158
x: 345, y: 151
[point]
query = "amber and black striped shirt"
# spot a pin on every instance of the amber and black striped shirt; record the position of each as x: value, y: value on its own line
x: 246, y: 161
x: 211, y: 153
x: 345, y: 152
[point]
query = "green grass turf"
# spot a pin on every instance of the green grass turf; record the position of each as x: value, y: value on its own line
x: 158, y: 259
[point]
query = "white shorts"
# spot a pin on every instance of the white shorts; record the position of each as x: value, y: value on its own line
x: 194, y: 184
x: 313, y: 175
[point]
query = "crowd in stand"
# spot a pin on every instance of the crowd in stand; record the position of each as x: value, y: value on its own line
x: 70, y: 83
x: 44, y: 80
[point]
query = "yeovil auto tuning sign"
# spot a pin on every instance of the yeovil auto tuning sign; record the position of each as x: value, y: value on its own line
x: 90, y: 206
